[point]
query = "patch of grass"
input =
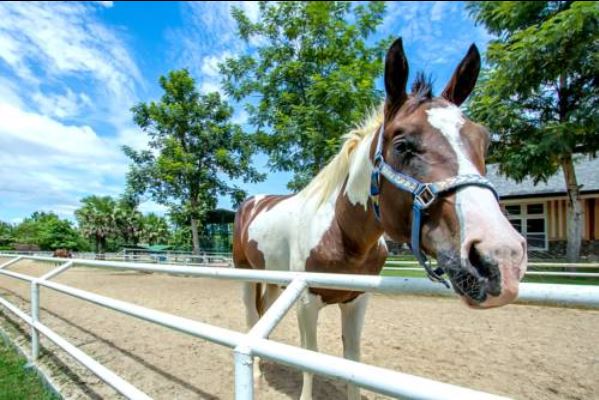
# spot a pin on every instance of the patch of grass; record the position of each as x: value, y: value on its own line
x: 17, y: 383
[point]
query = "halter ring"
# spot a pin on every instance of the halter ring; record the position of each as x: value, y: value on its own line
x: 425, y: 196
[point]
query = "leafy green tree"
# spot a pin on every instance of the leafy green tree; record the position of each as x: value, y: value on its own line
x: 313, y: 74
x: 193, y: 148
x: 6, y: 234
x: 49, y: 232
x: 128, y: 220
x: 154, y: 229
x: 180, y: 238
x: 96, y: 218
x: 540, y: 92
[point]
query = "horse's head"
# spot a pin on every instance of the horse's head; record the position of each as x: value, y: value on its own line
x: 428, y: 138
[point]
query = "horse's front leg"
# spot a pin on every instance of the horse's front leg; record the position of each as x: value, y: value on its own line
x: 307, y: 316
x: 352, y: 320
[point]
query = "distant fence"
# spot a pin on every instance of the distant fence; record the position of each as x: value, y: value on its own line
x: 170, y: 257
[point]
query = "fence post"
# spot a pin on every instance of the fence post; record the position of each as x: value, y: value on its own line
x: 35, y: 315
x: 244, y: 373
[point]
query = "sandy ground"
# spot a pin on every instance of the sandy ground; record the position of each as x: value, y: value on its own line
x: 525, y: 352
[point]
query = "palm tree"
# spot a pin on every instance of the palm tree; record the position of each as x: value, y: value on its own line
x: 129, y: 221
x: 96, y: 218
x: 155, y: 229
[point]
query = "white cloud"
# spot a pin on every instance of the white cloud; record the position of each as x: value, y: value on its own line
x: 210, y: 86
x: 61, y: 105
x: 68, y: 41
x: 50, y: 165
x: 436, y: 35
x: 210, y: 63
x: 68, y: 83
x: 133, y: 137
x: 437, y: 10
x: 152, y: 207
x: 40, y: 131
x: 8, y: 92
x: 251, y: 9
x: 106, y: 4
x: 208, y: 37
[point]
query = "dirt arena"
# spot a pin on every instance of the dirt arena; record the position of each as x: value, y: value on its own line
x: 524, y: 352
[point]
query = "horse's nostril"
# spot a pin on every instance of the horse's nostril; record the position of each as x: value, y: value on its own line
x: 476, y: 261
x: 487, y: 270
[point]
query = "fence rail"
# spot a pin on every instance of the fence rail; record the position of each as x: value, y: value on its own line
x: 256, y: 342
x: 568, y: 270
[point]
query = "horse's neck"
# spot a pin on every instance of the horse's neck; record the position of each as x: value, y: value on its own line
x: 359, y: 226
x: 353, y: 210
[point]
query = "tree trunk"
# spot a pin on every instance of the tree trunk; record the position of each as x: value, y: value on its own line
x: 103, y: 245
x: 575, y: 210
x: 97, y: 243
x: 195, y: 236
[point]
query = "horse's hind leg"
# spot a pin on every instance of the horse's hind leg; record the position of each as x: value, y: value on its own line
x: 250, y: 292
x: 271, y: 293
x: 352, y: 320
x: 307, y: 315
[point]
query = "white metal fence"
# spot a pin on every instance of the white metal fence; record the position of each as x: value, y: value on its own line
x: 223, y: 259
x: 256, y: 342
x: 534, y: 268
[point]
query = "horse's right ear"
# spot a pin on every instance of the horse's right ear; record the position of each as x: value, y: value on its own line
x: 396, y: 74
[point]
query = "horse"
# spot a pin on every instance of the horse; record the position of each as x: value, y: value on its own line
x: 62, y: 253
x: 414, y: 171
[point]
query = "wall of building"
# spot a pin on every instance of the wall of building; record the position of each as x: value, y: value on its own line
x: 556, y: 219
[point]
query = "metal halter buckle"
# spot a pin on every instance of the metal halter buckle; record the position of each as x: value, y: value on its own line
x: 425, y: 197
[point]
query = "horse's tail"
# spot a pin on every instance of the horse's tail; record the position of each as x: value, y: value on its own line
x: 259, y: 299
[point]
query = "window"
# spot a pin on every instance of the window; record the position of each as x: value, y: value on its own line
x: 529, y: 220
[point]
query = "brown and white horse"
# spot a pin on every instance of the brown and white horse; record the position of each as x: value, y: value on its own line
x: 330, y: 226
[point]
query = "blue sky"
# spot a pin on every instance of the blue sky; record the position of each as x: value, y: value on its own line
x: 70, y: 72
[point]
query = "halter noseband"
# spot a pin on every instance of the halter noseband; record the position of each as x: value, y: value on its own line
x: 423, y: 194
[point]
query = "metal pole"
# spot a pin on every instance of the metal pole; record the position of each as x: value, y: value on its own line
x: 14, y: 260
x: 51, y: 274
x: 244, y: 373
x: 35, y: 315
x: 244, y: 361
x: 278, y: 309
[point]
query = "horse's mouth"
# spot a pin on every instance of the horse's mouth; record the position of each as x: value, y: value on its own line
x: 473, y: 278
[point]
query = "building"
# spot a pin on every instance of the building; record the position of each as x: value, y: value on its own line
x: 540, y: 211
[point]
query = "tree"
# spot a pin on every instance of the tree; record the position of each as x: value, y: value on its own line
x: 313, y: 74
x: 193, y: 148
x: 155, y: 229
x: 128, y: 220
x: 49, y: 232
x: 540, y: 92
x: 6, y: 234
x: 96, y: 219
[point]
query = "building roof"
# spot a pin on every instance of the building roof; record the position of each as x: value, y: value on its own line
x: 587, y: 174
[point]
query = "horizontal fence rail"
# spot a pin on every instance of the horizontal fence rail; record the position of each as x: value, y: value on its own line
x: 568, y: 270
x: 256, y: 342
x: 528, y: 273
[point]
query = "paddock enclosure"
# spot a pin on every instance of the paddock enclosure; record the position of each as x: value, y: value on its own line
x: 519, y: 351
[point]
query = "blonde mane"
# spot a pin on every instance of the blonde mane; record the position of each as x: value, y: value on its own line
x: 334, y: 173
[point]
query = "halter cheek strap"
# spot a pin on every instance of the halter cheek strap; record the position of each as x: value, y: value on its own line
x: 423, y: 195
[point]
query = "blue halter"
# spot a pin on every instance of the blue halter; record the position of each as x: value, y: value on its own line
x: 423, y: 194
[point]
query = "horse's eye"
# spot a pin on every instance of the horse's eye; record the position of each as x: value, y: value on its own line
x: 402, y: 147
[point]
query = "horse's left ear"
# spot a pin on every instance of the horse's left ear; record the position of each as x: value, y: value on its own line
x: 464, y: 78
